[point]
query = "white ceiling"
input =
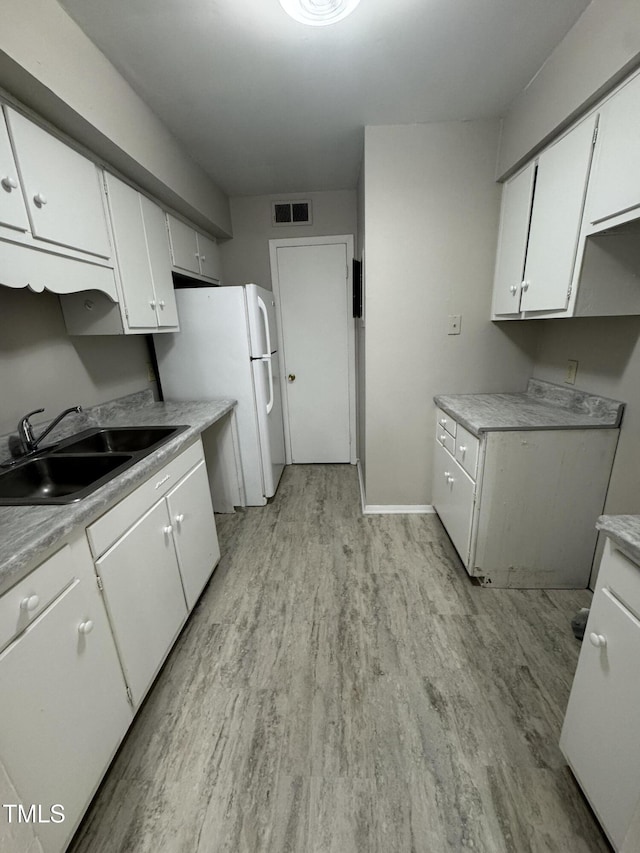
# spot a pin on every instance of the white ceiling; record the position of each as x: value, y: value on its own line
x: 267, y: 105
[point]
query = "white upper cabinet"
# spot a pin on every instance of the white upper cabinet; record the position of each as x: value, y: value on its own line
x: 615, y: 183
x: 61, y: 188
x: 142, y: 252
x: 540, y: 223
x: 192, y: 252
x: 13, y: 213
x: 561, y: 182
x: 517, y: 196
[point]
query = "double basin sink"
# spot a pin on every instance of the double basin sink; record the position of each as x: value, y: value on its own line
x: 78, y: 465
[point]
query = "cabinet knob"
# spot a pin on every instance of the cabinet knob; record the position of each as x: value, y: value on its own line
x: 153, y: 304
x: 203, y: 258
x: 443, y: 421
x: 443, y: 437
x: 463, y: 449
x: 447, y: 474
x: 180, y: 518
x: 451, y: 480
x: 162, y: 303
x: 85, y: 627
x: 168, y: 530
x: 40, y: 200
x: 525, y: 285
x: 597, y: 640
x: 291, y: 377
x: 30, y: 602
x: 9, y: 183
x: 514, y: 289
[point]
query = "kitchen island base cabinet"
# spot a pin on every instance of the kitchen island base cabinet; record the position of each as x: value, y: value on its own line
x: 600, y: 732
x: 64, y: 707
x: 522, y: 515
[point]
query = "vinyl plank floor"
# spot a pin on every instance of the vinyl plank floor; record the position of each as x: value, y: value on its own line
x: 343, y: 686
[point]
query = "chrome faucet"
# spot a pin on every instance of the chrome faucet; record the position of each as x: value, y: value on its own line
x: 25, y: 430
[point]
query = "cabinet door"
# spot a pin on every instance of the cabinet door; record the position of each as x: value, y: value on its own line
x: 453, y: 499
x: 62, y: 189
x: 144, y: 597
x: 209, y: 254
x: 558, y: 203
x: 615, y: 184
x: 13, y: 213
x: 155, y: 227
x: 517, y: 195
x: 64, y: 708
x: 184, y: 246
x: 600, y: 733
x: 194, y: 529
x: 131, y: 252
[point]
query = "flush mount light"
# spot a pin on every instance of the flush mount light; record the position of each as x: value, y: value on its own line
x: 318, y: 13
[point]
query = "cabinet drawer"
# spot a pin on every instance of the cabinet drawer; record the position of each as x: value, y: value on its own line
x: 466, y: 450
x: 622, y: 576
x: 446, y: 422
x: 446, y: 439
x: 27, y: 599
x: 104, y: 532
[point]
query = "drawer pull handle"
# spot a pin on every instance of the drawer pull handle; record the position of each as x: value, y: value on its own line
x: 85, y: 627
x: 30, y: 602
x: 9, y: 183
x: 463, y: 449
x: 597, y: 640
x: 163, y: 481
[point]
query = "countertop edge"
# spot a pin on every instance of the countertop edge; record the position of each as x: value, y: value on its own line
x: 624, y: 531
x: 59, y: 523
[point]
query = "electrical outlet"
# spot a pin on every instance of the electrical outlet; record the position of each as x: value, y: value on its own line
x: 454, y: 323
x: 572, y: 369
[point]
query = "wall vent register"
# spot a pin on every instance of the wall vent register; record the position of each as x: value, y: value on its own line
x: 291, y: 213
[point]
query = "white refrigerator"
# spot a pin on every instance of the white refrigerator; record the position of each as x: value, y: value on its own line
x: 227, y: 347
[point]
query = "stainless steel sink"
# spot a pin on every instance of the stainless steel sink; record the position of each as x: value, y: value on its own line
x: 52, y: 479
x: 77, y: 466
x: 118, y: 439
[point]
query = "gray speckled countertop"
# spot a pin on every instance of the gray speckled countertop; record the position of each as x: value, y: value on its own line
x: 624, y: 530
x: 26, y: 532
x: 543, y: 405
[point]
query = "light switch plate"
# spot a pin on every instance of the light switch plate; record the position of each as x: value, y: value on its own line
x: 572, y: 369
x: 454, y: 323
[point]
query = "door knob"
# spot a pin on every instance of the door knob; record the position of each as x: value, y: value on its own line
x: 292, y: 377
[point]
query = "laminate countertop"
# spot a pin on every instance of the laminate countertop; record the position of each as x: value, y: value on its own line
x: 624, y: 530
x: 28, y: 533
x: 543, y: 405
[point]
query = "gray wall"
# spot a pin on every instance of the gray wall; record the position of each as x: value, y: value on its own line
x: 431, y: 211
x: 48, y: 63
x: 600, y: 48
x: 246, y: 257
x: 42, y: 367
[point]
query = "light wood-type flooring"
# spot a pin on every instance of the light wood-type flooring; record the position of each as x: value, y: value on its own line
x: 343, y: 687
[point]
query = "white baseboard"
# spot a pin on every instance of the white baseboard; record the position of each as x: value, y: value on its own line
x: 389, y: 509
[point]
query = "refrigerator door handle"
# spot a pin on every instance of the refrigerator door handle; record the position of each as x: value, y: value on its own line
x: 263, y: 309
x: 267, y: 358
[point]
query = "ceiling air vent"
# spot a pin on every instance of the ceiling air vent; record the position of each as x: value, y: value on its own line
x: 291, y: 212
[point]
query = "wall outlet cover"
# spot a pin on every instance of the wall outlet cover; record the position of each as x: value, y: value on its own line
x: 454, y: 324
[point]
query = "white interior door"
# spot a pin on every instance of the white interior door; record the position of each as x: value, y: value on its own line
x: 313, y: 284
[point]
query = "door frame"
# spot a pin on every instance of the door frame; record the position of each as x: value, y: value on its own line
x: 348, y: 241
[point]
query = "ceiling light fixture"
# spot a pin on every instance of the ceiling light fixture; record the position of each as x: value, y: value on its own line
x: 318, y: 13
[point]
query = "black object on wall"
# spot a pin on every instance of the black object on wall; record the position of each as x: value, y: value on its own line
x: 357, y: 288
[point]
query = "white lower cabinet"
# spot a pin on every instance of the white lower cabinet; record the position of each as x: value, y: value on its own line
x: 600, y: 733
x: 196, y: 541
x: 155, y: 551
x: 144, y: 597
x: 520, y: 506
x: 64, y: 707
